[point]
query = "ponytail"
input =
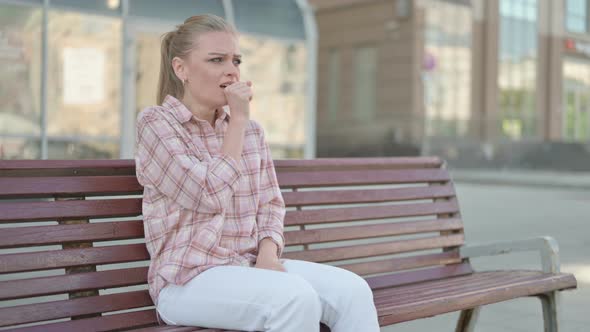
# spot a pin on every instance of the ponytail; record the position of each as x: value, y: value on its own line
x: 168, y: 84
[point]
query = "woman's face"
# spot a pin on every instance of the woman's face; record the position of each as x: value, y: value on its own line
x: 210, y: 67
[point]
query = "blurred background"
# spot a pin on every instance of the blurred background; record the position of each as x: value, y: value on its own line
x: 485, y: 84
x: 498, y: 88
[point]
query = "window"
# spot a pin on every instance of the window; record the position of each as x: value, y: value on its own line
x: 576, y: 100
x: 20, y: 62
x: 446, y: 69
x: 576, y: 16
x: 365, y: 83
x: 517, y: 69
x: 84, y: 75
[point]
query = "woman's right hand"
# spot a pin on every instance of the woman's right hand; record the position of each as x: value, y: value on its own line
x: 238, y: 97
x: 270, y: 264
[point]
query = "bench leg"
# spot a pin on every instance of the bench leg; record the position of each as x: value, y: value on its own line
x: 550, y: 302
x: 467, y: 320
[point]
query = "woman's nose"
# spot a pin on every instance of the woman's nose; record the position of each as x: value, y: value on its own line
x: 232, y: 70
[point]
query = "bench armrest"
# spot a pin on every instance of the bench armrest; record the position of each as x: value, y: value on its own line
x: 546, y: 246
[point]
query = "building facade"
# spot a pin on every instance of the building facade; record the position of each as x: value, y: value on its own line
x: 369, y: 95
x: 479, y: 82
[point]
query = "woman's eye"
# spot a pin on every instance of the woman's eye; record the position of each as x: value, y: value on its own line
x: 237, y: 61
x: 216, y: 60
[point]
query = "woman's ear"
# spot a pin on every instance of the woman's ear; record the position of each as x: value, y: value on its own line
x: 179, y: 68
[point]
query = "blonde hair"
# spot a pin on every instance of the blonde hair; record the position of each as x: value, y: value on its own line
x: 178, y: 43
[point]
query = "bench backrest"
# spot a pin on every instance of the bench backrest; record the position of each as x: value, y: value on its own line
x: 392, y: 220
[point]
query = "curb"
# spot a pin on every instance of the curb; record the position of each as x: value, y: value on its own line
x: 569, y: 181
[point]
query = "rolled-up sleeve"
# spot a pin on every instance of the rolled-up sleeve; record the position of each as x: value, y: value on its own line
x: 163, y: 163
x: 271, y: 206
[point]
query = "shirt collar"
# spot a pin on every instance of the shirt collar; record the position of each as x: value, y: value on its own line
x: 182, y: 113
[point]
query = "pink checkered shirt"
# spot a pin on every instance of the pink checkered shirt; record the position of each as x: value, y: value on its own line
x: 202, y: 208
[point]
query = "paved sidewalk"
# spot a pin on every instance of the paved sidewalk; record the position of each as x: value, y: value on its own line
x: 513, y: 212
x: 546, y: 179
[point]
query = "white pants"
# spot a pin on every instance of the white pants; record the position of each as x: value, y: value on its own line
x: 251, y: 299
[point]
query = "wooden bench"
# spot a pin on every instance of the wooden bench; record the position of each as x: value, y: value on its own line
x: 395, y: 221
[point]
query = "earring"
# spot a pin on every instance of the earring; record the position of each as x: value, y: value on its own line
x: 183, y: 81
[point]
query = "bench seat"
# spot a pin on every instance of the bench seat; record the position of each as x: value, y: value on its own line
x: 394, y: 304
x: 431, y: 298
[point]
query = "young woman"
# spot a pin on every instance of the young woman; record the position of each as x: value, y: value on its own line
x: 213, y: 211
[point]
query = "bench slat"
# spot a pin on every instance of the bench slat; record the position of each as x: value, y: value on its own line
x: 300, y: 179
x: 46, y: 235
x: 415, y: 292
x: 365, y: 163
x: 57, y: 234
x: 333, y: 215
x: 68, y: 186
x: 311, y: 198
x: 54, y: 259
x: 24, y: 168
x: 411, y: 277
x: 114, y: 322
x: 16, y: 289
x: 462, y: 298
x: 35, y: 168
x: 114, y: 164
x: 404, y: 162
x: 79, y: 209
x: 404, y: 263
x: 375, y: 249
x: 73, y: 165
x: 370, y: 231
x: 31, y: 313
x: 442, y: 288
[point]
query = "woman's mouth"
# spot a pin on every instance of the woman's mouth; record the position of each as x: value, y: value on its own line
x: 226, y: 84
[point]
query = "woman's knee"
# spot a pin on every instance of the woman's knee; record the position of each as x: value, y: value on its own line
x: 357, y: 288
x: 300, y: 293
x: 296, y: 308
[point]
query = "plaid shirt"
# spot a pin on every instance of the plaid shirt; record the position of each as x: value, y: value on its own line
x: 202, y: 208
